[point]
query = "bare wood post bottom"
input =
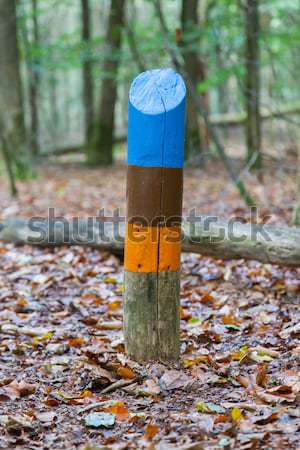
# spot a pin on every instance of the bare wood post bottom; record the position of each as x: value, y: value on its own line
x: 151, y: 314
x: 168, y: 316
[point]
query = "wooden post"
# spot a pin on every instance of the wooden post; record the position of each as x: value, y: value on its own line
x: 154, y: 207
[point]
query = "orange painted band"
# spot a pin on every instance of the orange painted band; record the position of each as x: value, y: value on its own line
x: 152, y: 249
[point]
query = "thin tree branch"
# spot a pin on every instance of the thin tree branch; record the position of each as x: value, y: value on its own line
x: 175, y: 56
x: 133, y: 46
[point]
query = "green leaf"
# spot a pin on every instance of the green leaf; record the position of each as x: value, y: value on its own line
x: 194, y: 321
x: 231, y: 327
x: 209, y: 408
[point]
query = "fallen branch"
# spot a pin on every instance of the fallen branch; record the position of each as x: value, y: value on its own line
x: 96, y: 405
x: 210, y: 236
x: 117, y: 385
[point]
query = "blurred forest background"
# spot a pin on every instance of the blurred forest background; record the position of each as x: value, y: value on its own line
x: 65, y: 71
x: 66, y: 68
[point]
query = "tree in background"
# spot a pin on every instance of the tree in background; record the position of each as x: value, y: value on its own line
x: 100, y: 148
x: 194, y: 66
x: 28, y: 27
x: 252, y: 86
x: 222, y: 87
x: 88, y: 91
x: 34, y: 81
x: 296, y: 211
x: 13, y: 135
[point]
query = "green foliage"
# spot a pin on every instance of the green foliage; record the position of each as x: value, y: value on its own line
x: 219, y: 41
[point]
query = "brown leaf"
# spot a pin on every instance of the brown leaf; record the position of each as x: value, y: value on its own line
x: 282, y: 390
x: 97, y: 372
x: 120, y: 411
x: 151, y: 431
x: 51, y: 402
x: 271, y: 417
x: 174, y: 379
x: 261, y: 375
x: 126, y: 372
x: 77, y: 342
x: 286, y: 332
x: 16, y: 390
x: 26, y: 388
x: 149, y: 388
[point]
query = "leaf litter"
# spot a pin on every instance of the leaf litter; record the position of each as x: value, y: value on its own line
x: 65, y: 381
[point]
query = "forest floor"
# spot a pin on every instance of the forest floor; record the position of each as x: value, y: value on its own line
x: 61, y: 346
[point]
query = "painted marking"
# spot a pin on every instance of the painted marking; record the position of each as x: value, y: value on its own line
x: 143, y: 243
x: 156, y: 113
x: 152, y: 193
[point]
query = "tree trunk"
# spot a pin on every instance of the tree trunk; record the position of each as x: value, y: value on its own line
x: 194, y: 68
x: 53, y: 99
x: 100, y: 148
x: 252, y: 94
x: 136, y: 56
x: 11, y: 105
x: 296, y: 212
x: 215, y: 238
x: 8, y: 164
x: 222, y: 87
x: 34, y: 83
x: 88, y: 90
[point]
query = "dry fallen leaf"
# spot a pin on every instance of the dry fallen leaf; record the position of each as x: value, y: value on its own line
x: 126, y: 372
x: 286, y: 332
x: 17, y: 389
x: 45, y: 416
x: 174, y: 379
x: 151, y: 431
x: 119, y: 410
x: 261, y: 375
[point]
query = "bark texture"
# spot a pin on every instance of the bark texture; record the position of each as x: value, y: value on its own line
x: 223, y: 100
x: 87, y: 78
x: 34, y: 83
x: 220, y: 239
x: 252, y: 94
x: 100, y: 148
x: 296, y: 212
x: 11, y: 106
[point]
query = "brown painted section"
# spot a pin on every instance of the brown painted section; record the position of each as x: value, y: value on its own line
x: 154, y: 193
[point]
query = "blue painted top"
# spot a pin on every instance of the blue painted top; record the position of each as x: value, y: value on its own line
x: 156, y: 116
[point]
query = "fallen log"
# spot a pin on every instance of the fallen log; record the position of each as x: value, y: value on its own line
x: 209, y: 236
